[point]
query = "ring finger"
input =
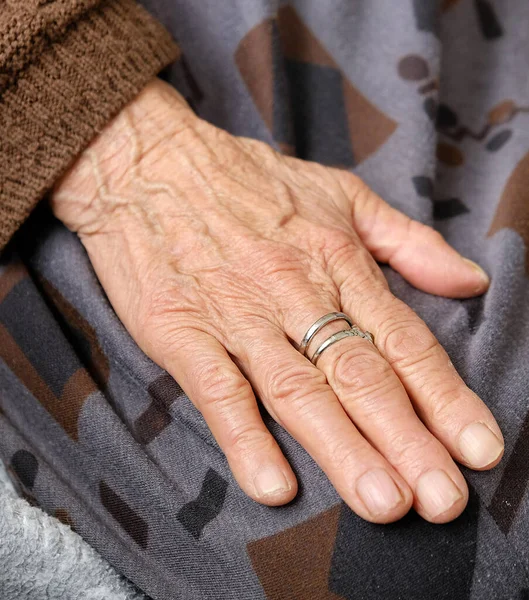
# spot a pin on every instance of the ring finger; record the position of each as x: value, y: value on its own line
x: 376, y: 401
x: 298, y: 397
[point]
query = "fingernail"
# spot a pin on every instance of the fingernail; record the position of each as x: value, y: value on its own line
x: 270, y: 481
x: 378, y: 491
x: 478, y: 445
x: 437, y: 492
x: 484, y: 277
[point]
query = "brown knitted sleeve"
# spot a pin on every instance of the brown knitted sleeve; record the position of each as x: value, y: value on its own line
x: 66, y: 68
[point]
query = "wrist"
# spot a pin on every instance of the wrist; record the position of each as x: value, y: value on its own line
x: 89, y: 191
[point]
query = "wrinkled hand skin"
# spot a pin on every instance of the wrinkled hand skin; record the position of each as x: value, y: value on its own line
x: 218, y: 253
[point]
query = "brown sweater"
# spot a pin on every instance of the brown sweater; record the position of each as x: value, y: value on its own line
x: 66, y: 68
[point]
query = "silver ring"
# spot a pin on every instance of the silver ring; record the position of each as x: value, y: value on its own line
x: 353, y: 332
x: 321, y: 322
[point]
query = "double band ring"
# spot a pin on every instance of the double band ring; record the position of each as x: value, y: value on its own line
x: 353, y: 331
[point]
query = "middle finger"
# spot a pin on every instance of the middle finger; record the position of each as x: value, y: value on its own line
x: 376, y: 401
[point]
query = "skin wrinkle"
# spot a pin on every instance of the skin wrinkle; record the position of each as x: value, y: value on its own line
x: 275, y: 222
x: 145, y: 207
x: 218, y: 250
x: 202, y: 181
x: 247, y: 184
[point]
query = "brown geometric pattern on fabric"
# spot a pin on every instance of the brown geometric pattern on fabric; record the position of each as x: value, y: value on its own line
x: 85, y: 336
x: 315, y: 97
x: 513, y: 208
x: 369, y: 128
x: 299, y: 43
x: 448, y: 4
x: 448, y: 123
x: 449, y: 155
x: 13, y: 274
x: 64, y: 409
x: 64, y: 517
x: 494, y: 132
x: 156, y: 417
x: 415, y: 69
x: 255, y: 60
x: 295, y: 563
x: 129, y: 520
x: 258, y: 58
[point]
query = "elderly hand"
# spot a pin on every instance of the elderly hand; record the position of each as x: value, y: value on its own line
x: 218, y: 254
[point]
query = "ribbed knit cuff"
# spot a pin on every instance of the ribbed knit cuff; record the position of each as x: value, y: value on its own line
x: 63, y: 98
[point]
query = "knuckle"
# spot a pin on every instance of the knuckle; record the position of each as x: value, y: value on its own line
x: 343, y: 252
x: 337, y: 246
x: 446, y: 404
x: 249, y: 439
x: 366, y: 278
x: 288, y: 384
x: 166, y: 309
x: 346, y: 457
x: 361, y: 369
x: 170, y: 337
x: 309, y: 407
x: 411, y: 448
x: 273, y: 262
x: 351, y: 264
x: 407, y: 342
x: 220, y: 385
